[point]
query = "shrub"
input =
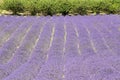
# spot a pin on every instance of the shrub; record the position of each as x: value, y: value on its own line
x: 48, y: 7
x: 82, y: 8
x: 51, y: 7
x: 32, y: 7
x: 99, y: 6
x: 64, y: 7
x: 13, y: 5
x: 114, y: 8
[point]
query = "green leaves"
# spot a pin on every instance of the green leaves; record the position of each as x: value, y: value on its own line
x: 51, y: 7
x: 65, y: 7
x: 14, y: 5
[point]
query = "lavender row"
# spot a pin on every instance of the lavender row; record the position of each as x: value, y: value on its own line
x: 37, y: 57
x: 9, y: 48
x: 54, y: 67
x: 78, y: 47
x: 24, y: 51
x: 110, y: 38
x: 7, y: 32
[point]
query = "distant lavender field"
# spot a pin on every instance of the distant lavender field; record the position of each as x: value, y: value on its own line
x: 60, y: 48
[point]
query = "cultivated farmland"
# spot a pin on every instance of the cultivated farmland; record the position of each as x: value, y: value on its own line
x: 60, y: 48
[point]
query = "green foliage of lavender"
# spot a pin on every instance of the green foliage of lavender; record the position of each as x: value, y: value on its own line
x: 51, y: 7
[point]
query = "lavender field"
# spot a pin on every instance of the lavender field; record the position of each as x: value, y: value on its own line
x: 60, y: 48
